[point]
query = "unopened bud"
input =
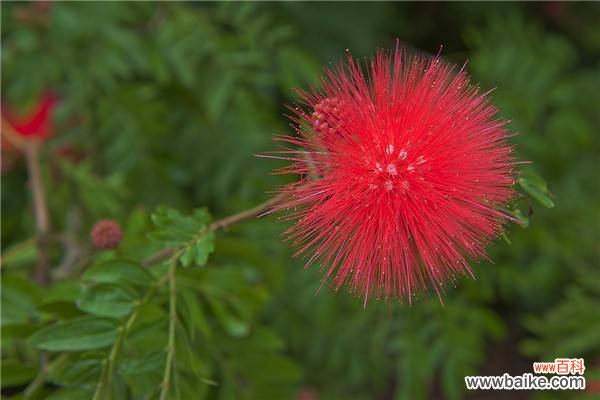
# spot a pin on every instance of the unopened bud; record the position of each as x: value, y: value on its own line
x: 106, y: 234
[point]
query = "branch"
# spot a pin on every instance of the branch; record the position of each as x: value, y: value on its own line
x: 40, y: 211
x: 258, y: 211
x: 38, y: 382
x: 156, y: 258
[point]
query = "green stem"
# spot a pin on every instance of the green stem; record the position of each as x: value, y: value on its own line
x: 40, y: 379
x: 166, y: 383
x: 109, y: 364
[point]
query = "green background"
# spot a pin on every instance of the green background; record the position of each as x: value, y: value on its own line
x: 168, y: 103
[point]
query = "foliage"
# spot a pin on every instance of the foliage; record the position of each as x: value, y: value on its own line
x: 163, y: 106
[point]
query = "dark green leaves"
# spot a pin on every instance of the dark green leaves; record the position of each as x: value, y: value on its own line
x: 14, y: 373
x: 112, y: 289
x: 536, y: 187
x: 108, y: 300
x: 119, y: 271
x: 147, y: 363
x: 102, y: 196
x: 19, y: 298
x: 77, y: 371
x: 188, y: 234
x: 79, y: 334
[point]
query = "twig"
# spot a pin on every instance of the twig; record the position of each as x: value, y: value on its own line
x: 224, y: 223
x: 166, y: 382
x: 38, y: 382
x: 162, y: 255
x: 40, y: 211
x: 244, y: 215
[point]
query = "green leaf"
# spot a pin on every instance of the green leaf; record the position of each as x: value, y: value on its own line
x: 198, y: 252
x: 108, y: 300
x: 17, y: 331
x: 14, y: 373
x: 67, y: 291
x: 19, y: 299
x: 150, y: 362
x: 20, y: 254
x: 196, y: 318
x: 142, y: 374
x: 79, y: 334
x: 188, y: 233
x: 77, y: 373
x: 59, y: 300
x: 231, y: 323
x: 61, y: 309
x: 121, y: 271
x: 536, y: 187
x: 100, y: 195
x: 522, y: 218
x: 72, y: 394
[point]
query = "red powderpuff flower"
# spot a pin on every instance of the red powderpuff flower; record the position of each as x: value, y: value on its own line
x: 106, y: 234
x: 405, y: 173
x: 37, y: 123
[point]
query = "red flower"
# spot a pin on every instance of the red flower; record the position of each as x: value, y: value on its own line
x: 37, y: 124
x: 413, y: 174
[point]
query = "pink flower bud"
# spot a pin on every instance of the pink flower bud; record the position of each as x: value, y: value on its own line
x: 106, y: 234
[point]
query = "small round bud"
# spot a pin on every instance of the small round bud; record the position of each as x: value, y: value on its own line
x: 106, y: 234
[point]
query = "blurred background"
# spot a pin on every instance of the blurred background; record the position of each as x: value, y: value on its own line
x: 168, y: 103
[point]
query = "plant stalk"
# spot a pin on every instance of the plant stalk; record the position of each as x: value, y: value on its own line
x: 166, y: 383
x: 40, y: 211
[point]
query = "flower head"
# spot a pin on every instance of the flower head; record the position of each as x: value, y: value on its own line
x: 106, y: 234
x: 405, y: 173
x: 37, y: 123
